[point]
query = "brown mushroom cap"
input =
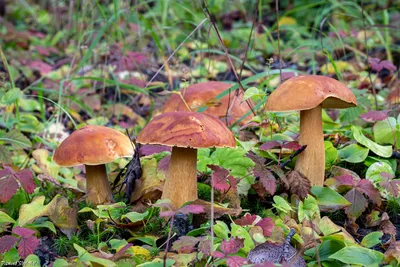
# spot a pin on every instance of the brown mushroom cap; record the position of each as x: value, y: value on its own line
x: 307, y: 92
x: 187, y: 129
x: 203, y: 94
x: 93, y: 145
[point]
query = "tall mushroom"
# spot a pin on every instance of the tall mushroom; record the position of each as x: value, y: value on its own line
x: 185, y: 132
x: 203, y: 94
x: 94, y: 146
x: 310, y: 94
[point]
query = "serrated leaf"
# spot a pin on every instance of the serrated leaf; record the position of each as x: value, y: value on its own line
x: 353, y: 153
x: 185, y: 244
x: 7, y: 242
x: 358, y: 203
x: 235, y: 261
x: 299, y: 184
x: 267, y: 225
x: 375, y: 115
x: 383, y: 151
x: 247, y: 219
x: 16, y: 139
x: 239, y: 231
x: 365, y: 186
x: 27, y: 246
x: 8, y: 188
x: 221, y: 179
x: 231, y: 246
x: 372, y: 239
x: 233, y: 160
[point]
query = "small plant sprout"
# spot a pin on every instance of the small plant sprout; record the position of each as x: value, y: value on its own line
x: 310, y: 94
x: 185, y: 132
x: 94, y: 146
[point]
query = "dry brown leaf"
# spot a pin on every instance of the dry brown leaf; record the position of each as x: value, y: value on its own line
x: 299, y: 184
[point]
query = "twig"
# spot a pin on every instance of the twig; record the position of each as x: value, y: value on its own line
x: 279, y: 38
x: 214, y: 25
x: 292, y: 156
x: 168, y: 240
x: 173, y: 53
x: 367, y: 59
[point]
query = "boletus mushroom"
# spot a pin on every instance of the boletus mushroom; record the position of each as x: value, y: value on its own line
x: 310, y: 94
x: 204, y: 94
x: 185, y: 132
x: 94, y: 146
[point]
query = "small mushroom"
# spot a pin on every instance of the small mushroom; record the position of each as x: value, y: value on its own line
x: 204, y: 94
x: 94, y: 146
x: 185, y: 132
x: 310, y: 94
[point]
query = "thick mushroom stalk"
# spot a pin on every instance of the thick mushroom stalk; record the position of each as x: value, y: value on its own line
x: 181, y: 179
x: 98, y: 187
x: 311, y: 162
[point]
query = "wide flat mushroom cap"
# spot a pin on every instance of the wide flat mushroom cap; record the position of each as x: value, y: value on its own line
x: 308, y: 92
x: 93, y: 145
x: 203, y: 94
x: 187, y: 129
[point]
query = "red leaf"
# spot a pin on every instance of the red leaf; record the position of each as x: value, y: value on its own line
x: 345, y: 180
x: 387, y: 175
x: 147, y: 150
x: 270, y: 144
x: 163, y: 164
x: 39, y: 65
x: 185, y: 244
x: 220, y: 178
x: 369, y: 189
x: 231, y: 246
x: 293, y: 145
x: 267, y: 225
x: 358, y: 203
x: 25, y: 177
x: 23, y: 232
x: 167, y: 213
x: 8, y: 187
x: 392, y: 186
x: 27, y: 246
x: 260, y: 171
x: 191, y: 208
x: 7, y: 242
x: 235, y: 261
x: 374, y: 115
x: 247, y: 219
x: 378, y: 65
x: 219, y: 255
x: 205, y: 247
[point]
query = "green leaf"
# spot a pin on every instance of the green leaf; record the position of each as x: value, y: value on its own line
x: 221, y: 230
x: 11, y: 256
x: 47, y: 224
x: 308, y: 209
x: 30, y: 212
x: 281, y: 204
x: 240, y: 232
x: 16, y: 139
x: 11, y: 96
x: 350, y: 114
x: 353, y: 153
x: 5, y: 155
x: 84, y: 256
x: 203, y: 158
x: 328, y: 198
x: 4, y: 218
x: 233, y: 160
x: 32, y: 261
x: 61, y: 263
x: 158, y: 263
x: 252, y: 92
x: 359, y: 255
x: 387, y: 132
x: 135, y: 216
x: 372, y: 239
x: 383, y: 151
x: 331, y: 154
x: 98, y: 121
x: 104, y: 211
x: 374, y: 171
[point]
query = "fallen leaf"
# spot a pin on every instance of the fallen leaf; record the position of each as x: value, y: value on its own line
x: 299, y: 184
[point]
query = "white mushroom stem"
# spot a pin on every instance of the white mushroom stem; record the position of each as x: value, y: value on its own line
x: 311, y: 162
x: 97, y: 185
x: 181, y: 179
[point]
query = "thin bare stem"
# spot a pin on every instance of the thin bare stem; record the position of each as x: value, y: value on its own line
x: 279, y: 38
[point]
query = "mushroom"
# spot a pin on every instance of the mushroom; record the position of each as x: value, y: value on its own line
x: 185, y: 132
x: 203, y: 94
x: 94, y: 146
x: 310, y: 94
